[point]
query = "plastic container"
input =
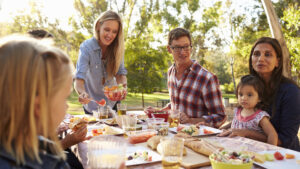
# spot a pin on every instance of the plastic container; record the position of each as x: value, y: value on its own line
x: 159, y: 125
x: 106, y: 152
x: 150, y: 121
x: 141, y: 136
x: 223, y: 165
x: 157, y: 114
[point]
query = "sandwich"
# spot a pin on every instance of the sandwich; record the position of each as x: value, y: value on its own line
x: 77, y: 122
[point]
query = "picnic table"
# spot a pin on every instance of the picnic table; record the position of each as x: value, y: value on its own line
x: 236, y: 143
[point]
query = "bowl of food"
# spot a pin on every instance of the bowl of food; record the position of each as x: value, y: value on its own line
x: 156, y: 113
x: 115, y: 93
x: 230, y: 160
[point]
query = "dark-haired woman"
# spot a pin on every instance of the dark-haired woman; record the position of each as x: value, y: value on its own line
x: 281, y: 95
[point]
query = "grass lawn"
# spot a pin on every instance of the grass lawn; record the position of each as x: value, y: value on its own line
x: 133, y: 101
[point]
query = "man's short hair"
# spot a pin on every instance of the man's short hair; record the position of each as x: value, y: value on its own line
x: 178, y: 33
x: 40, y: 33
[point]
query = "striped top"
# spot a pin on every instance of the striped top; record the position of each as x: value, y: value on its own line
x: 197, y: 94
x: 249, y: 122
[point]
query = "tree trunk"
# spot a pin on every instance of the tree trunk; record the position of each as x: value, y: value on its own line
x: 277, y: 33
x: 143, y: 102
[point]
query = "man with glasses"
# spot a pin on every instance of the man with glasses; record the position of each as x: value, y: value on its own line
x: 193, y: 90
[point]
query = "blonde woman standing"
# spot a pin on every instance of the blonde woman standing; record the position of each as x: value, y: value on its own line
x: 101, y: 61
x: 35, y: 82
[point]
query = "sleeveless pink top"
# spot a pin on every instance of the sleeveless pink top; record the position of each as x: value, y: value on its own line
x: 250, y: 122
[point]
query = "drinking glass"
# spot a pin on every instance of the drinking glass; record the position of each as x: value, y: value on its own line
x: 106, y: 152
x: 128, y: 123
x: 174, y: 118
x: 103, y: 112
x: 122, y: 107
x: 172, y: 150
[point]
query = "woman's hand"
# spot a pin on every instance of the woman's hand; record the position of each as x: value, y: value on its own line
x: 84, y: 98
x: 61, y: 128
x: 75, y: 137
x: 123, y: 95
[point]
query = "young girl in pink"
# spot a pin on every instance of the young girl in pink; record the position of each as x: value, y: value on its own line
x: 249, y: 114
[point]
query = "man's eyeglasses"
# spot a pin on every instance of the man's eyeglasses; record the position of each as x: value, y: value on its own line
x: 179, y: 48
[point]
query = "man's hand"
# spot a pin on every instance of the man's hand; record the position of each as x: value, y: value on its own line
x: 84, y: 98
x: 184, y: 118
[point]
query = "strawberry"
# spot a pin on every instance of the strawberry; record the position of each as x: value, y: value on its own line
x: 278, y: 156
x: 101, y: 102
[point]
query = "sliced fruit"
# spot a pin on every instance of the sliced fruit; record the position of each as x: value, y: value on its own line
x: 278, y: 156
x: 205, y: 131
x: 289, y: 156
x: 101, y: 102
x: 269, y: 157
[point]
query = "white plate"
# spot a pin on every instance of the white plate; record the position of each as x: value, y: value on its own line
x: 201, y: 130
x: 101, y: 126
x: 132, y: 149
x: 67, y: 120
x: 106, y: 122
x: 281, y: 164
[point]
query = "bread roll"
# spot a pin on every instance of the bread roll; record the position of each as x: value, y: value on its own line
x: 203, y: 147
x: 159, y: 150
x: 153, y: 142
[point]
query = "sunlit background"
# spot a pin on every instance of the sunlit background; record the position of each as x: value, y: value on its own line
x: 53, y: 9
x: 223, y: 32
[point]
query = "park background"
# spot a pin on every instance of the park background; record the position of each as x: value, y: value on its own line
x: 223, y: 32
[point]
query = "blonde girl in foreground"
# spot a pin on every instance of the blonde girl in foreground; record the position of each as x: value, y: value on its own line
x: 35, y: 81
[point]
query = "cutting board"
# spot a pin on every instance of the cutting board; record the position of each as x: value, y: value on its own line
x: 193, y: 160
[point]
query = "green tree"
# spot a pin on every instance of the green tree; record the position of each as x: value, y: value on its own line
x: 288, y: 12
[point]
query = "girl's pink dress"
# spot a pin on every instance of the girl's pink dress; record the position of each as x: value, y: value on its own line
x: 250, y: 122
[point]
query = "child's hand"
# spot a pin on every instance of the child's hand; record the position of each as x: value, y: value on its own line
x: 225, y: 133
x: 238, y: 132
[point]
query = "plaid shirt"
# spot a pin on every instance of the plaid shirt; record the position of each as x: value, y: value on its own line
x: 197, y: 95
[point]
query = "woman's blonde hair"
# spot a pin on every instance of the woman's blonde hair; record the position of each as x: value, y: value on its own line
x: 29, y: 70
x: 115, y: 50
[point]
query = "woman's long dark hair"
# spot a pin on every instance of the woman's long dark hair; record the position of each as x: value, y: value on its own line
x: 277, y: 77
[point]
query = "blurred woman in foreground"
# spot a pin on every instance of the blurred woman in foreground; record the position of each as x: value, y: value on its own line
x: 35, y: 82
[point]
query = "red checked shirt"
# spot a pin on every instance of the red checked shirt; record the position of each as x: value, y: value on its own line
x: 197, y: 94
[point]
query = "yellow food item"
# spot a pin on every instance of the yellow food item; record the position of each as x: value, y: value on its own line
x: 260, y: 158
x: 110, y: 131
x: 289, y: 156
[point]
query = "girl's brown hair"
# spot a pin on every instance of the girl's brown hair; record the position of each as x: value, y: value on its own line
x: 256, y: 83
